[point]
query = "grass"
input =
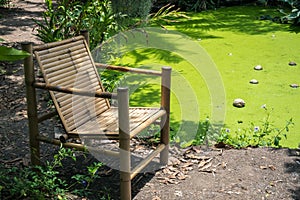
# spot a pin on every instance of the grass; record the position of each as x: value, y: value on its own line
x: 231, y: 41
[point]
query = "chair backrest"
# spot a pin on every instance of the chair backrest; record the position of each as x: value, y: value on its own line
x: 69, y: 64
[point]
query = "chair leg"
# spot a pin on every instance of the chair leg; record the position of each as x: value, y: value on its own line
x: 31, y: 105
x: 124, y: 136
x: 164, y: 137
x: 125, y: 190
x: 125, y: 179
x: 165, y: 103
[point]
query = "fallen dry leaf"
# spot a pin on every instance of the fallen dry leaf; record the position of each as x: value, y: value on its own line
x: 181, y: 176
x: 196, y: 149
x: 172, y: 181
x: 272, y: 167
x: 224, y: 165
x: 204, y: 162
x: 263, y: 167
x: 172, y: 176
x: 189, y: 168
x: 204, y: 168
x: 188, y: 164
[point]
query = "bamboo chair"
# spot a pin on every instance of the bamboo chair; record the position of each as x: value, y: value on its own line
x: 60, y: 63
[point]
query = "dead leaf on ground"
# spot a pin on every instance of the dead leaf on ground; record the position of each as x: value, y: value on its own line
x: 172, y: 176
x: 272, y: 167
x: 174, y: 161
x: 181, y: 176
x: 172, y: 181
x: 263, y: 167
x: 204, y: 162
x: 205, y: 167
x: 188, y: 164
x: 196, y: 149
x: 156, y: 198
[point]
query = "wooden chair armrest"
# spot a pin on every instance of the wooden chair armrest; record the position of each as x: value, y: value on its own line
x: 128, y: 69
x: 76, y: 91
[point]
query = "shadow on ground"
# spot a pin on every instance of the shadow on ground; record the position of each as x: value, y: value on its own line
x: 20, y: 19
x: 293, y: 168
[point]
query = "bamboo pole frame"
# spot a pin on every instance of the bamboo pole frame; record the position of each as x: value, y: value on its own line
x: 47, y: 116
x: 54, y: 44
x: 146, y: 161
x: 79, y: 147
x: 86, y: 36
x: 81, y: 92
x: 165, y: 103
x: 128, y: 69
x: 31, y: 105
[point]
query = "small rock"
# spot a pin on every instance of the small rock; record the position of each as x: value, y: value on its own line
x: 292, y: 63
x: 294, y: 85
x: 254, y: 81
x: 239, y: 103
x: 258, y: 67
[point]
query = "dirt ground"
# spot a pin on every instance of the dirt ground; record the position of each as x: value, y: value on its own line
x: 194, y: 173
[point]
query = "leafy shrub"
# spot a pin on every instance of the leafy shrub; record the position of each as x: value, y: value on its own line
x: 294, y: 15
x: 132, y: 8
x: 45, y: 182
x: 68, y: 18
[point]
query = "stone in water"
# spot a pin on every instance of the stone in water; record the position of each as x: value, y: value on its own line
x: 258, y: 67
x: 239, y: 103
x: 292, y: 63
x: 254, y: 81
x: 294, y: 85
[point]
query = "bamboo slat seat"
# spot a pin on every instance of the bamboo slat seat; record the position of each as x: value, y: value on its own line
x: 84, y: 108
x: 109, y: 119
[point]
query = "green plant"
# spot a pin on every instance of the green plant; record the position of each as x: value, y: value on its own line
x: 111, y: 79
x: 44, y: 182
x: 51, y: 28
x: 68, y: 18
x: 101, y: 21
x: 4, y: 3
x: 11, y: 54
x: 166, y: 14
x: 86, y: 180
x: 37, y: 182
x: 267, y: 134
x: 294, y: 15
x: 132, y: 8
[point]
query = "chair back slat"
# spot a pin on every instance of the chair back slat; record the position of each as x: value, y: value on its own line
x: 69, y: 64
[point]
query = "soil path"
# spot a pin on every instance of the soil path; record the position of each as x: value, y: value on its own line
x: 16, y: 24
x: 194, y: 173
